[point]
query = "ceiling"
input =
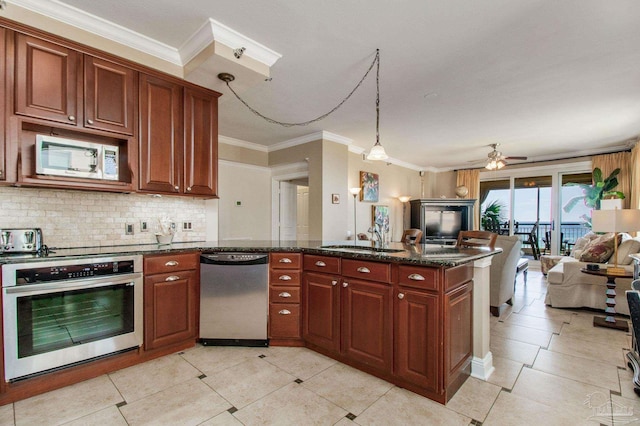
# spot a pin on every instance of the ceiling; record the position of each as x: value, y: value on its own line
x: 546, y: 79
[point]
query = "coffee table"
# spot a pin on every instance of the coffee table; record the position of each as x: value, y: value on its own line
x: 609, y: 321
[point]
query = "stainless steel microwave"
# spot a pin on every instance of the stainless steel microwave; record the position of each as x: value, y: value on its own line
x: 73, y: 158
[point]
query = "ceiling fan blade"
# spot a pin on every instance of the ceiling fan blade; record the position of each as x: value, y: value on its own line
x: 515, y: 158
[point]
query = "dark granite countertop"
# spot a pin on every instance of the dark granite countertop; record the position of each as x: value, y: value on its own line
x: 419, y: 254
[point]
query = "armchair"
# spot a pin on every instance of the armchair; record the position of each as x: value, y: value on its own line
x: 503, y: 272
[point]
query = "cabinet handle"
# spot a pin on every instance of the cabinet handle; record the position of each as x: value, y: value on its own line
x: 90, y: 121
x: 363, y: 269
x: 172, y: 278
x: 284, y: 278
x: 284, y: 312
x: 345, y: 285
x: 177, y: 188
x: 285, y: 260
x: 171, y: 263
x: 334, y: 282
x: 321, y: 264
x: 0, y: 172
x: 400, y: 296
x: 416, y: 277
x: 188, y: 188
x: 72, y: 118
x: 284, y: 294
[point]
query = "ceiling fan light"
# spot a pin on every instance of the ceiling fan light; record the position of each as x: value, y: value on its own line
x: 377, y: 153
x: 500, y: 164
x: 491, y: 165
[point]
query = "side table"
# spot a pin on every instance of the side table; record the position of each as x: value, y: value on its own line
x: 609, y: 321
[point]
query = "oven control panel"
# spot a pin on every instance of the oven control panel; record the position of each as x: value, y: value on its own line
x: 67, y: 272
x: 69, y: 269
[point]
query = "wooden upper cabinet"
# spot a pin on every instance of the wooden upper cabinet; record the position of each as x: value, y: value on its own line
x: 3, y: 99
x: 110, y: 96
x: 200, y: 142
x: 46, y: 83
x: 161, y: 137
x: 49, y: 85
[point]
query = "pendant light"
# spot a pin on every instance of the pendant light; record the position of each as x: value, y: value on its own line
x: 377, y: 151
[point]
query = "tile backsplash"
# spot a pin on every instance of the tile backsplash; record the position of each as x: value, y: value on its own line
x: 87, y: 219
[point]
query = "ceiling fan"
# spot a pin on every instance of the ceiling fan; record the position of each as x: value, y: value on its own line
x: 496, y: 160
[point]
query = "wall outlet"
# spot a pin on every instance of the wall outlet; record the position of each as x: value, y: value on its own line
x: 174, y: 227
x: 187, y: 226
x: 128, y: 228
x: 144, y: 226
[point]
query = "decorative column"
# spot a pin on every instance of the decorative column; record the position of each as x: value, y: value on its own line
x: 482, y: 361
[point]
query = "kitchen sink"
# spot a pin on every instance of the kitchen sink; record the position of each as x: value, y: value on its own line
x: 364, y: 250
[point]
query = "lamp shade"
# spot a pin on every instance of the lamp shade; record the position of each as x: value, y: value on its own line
x: 354, y: 191
x: 404, y: 198
x: 616, y: 220
x: 377, y: 153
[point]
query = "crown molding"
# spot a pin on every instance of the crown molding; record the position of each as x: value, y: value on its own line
x: 321, y: 135
x: 93, y: 24
x: 213, y: 31
x: 242, y: 144
x: 244, y: 165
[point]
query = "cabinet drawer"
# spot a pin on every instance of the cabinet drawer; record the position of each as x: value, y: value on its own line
x: 280, y: 277
x: 284, y: 295
x: 171, y: 262
x: 371, y: 271
x: 285, y: 260
x: 284, y: 321
x: 326, y: 264
x: 419, y: 277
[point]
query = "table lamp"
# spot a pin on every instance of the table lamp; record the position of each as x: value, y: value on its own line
x: 615, y: 220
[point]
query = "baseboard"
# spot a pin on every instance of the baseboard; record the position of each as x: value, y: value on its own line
x: 482, y: 368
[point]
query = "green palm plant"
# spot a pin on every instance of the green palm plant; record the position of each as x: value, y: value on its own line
x: 596, y: 192
x: 492, y: 215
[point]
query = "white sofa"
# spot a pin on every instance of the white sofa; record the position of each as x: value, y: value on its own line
x: 569, y: 287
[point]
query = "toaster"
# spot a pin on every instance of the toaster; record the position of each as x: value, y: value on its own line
x: 20, y: 240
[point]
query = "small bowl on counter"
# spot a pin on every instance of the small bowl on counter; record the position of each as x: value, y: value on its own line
x: 164, y: 238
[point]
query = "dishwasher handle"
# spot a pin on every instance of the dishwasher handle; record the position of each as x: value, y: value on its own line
x: 229, y: 258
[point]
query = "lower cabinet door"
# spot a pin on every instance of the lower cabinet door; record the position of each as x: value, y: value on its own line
x: 170, y: 308
x: 417, y: 338
x: 367, y: 323
x: 321, y: 311
x: 458, y: 324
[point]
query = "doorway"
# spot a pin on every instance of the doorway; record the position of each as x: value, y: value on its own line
x: 291, y: 210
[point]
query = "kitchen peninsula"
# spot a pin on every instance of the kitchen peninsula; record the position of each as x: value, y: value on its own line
x: 400, y: 312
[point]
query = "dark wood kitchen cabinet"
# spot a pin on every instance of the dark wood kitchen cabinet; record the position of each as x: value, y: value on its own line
x: 417, y: 337
x: 346, y: 314
x: 284, y: 299
x: 178, y: 138
x: 171, y: 299
x: 3, y: 105
x: 52, y: 84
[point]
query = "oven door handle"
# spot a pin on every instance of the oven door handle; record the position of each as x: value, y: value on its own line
x: 35, y: 289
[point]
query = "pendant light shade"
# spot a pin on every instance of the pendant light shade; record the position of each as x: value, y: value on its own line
x: 377, y: 153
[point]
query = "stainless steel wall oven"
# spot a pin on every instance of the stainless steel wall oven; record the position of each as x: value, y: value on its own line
x: 62, y: 312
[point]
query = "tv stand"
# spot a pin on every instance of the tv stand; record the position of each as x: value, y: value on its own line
x: 422, y: 213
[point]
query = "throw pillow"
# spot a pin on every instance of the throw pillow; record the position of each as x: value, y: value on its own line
x: 627, y: 247
x: 581, y: 243
x: 599, y: 250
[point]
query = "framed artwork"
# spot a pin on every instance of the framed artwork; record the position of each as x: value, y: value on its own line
x: 380, y: 218
x: 370, y: 187
x: 335, y: 198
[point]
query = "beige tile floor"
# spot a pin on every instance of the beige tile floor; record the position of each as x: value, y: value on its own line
x: 552, y: 367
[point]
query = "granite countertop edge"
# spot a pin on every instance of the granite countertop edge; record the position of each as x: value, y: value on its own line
x: 418, y: 254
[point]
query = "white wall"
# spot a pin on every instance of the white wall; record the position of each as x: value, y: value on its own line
x: 251, y: 186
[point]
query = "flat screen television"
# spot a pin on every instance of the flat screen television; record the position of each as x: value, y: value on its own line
x: 442, y: 224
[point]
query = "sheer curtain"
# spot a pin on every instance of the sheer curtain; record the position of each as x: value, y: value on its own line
x: 608, y: 163
x: 471, y: 179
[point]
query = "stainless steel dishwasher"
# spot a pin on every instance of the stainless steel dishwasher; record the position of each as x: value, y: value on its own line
x: 234, y: 299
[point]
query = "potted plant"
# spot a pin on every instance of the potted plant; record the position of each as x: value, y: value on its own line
x: 593, y: 194
x: 492, y: 216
